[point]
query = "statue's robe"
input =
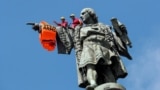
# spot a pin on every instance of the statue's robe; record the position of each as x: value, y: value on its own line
x: 93, y: 45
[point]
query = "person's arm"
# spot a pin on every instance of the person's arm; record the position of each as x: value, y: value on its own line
x: 58, y: 24
x: 80, y: 22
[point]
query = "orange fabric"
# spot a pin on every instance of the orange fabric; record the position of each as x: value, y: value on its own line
x: 47, y: 36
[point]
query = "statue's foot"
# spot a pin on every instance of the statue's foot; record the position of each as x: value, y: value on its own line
x: 91, y: 87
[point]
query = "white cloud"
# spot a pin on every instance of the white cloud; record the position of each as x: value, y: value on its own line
x: 144, y: 72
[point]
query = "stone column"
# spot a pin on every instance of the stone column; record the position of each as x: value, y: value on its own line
x: 110, y: 86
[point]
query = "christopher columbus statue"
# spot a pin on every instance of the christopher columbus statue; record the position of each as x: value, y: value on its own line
x: 98, y: 51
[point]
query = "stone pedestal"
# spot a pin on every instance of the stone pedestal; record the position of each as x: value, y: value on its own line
x: 110, y: 86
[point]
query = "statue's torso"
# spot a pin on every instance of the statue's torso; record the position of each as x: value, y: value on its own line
x: 95, y: 45
x: 96, y: 34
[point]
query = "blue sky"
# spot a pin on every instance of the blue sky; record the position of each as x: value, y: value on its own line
x: 25, y: 65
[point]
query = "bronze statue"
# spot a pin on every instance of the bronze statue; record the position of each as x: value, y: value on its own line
x: 98, y: 50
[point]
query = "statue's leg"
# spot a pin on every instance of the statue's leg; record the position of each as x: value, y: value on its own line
x: 108, y: 74
x: 91, y: 76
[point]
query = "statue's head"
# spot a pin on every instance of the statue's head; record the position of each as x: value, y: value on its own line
x: 88, y: 16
